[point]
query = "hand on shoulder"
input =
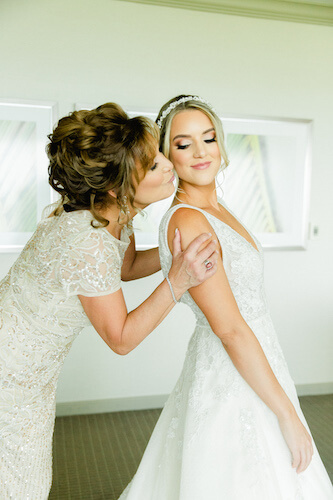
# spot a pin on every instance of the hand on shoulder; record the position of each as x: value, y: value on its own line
x: 191, y: 223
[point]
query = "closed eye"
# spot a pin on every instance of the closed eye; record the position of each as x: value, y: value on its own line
x: 182, y: 146
x: 210, y: 140
x: 154, y: 166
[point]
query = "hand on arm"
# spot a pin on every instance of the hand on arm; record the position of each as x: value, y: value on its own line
x: 217, y: 302
x: 123, y: 331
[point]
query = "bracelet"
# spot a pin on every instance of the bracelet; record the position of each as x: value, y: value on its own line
x: 171, y: 290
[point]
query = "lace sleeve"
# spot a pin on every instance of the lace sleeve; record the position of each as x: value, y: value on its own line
x: 90, y: 265
x: 47, y: 211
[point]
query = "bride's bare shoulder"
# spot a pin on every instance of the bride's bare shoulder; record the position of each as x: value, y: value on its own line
x: 188, y: 214
x: 190, y: 222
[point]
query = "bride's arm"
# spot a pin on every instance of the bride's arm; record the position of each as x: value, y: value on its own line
x: 217, y: 302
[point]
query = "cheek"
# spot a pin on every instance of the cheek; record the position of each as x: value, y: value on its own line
x: 151, y: 182
x: 216, y: 153
x: 179, y: 158
x: 157, y: 181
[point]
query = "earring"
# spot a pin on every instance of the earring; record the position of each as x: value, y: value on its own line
x: 124, y: 210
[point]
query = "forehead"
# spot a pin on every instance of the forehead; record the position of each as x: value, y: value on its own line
x: 190, y: 120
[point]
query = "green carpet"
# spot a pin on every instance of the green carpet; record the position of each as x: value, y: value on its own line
x: 95, y: 456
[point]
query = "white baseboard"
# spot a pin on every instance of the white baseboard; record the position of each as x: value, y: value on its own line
x: 149, y: 402
x: 110, y: 405
x: 314, y: 389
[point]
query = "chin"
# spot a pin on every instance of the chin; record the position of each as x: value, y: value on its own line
x: 204, y: 181
x: 170, y: 192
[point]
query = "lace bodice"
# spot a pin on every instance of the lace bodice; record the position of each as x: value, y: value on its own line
x: 215, y: 437
x: 243, y: 265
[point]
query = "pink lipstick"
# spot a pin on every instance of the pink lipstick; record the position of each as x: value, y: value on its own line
x: 201, y: 166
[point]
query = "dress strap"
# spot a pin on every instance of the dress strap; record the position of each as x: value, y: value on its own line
x: 166, y: 219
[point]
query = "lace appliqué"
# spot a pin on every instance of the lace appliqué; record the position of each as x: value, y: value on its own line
x: 254, y: 454
x: 205, y: 355
x: 90, y: 265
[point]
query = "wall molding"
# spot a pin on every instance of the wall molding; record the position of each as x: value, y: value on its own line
x: 149, y: 402
x: 110, y: 405
x: 299, y: 11
x: 314, y: 389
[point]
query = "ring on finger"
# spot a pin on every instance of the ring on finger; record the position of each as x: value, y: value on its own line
x: 208, y: 264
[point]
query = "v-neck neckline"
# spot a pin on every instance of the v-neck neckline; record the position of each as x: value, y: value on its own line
x: 255, y: 248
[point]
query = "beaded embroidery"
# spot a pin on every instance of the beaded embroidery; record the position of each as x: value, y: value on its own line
x: 40, y: 316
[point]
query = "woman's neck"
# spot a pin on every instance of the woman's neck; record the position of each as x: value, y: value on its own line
x: 198, y: 196
x: 116, y: 218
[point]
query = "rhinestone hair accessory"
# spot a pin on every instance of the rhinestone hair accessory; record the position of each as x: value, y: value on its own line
x: 174, y: 104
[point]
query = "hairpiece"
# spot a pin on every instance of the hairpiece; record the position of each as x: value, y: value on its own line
x: 174, y: 104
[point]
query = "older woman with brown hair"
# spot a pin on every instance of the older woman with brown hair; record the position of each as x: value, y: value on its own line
x: 106, y: 168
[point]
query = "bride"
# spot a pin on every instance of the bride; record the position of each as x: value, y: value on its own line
x: 232, y: 428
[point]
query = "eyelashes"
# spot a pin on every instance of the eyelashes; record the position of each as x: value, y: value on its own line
x: 154, y: 166
x: 185, y: 146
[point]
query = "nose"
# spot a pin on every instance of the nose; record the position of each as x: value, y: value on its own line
x: 167, y: 165
x: 199, y: 150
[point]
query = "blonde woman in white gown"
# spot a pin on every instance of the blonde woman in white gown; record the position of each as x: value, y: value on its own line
x: 232, y: 428
x: 105, y: 166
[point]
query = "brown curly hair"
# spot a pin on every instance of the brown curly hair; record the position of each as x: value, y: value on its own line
x: 93, y: 152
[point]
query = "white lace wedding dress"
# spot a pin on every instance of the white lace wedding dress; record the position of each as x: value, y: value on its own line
x: 215, y: 438
x: 40, y: 316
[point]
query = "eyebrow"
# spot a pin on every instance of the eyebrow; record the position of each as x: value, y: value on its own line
x: 184, y: 135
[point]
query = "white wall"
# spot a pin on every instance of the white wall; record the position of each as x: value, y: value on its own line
x: 140, y: 56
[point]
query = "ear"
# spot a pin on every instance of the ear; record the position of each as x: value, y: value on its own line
x: 112, y: 193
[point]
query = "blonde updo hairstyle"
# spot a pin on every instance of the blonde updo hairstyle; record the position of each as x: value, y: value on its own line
x: 93, y: 152
x: 165, y: 125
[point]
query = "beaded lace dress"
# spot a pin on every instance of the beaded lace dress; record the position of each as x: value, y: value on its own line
x: 215, y: 438
x: 40, y: 316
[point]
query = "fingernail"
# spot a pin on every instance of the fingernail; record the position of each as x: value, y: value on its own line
x: 176, y: 230
x: 209, y: 234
